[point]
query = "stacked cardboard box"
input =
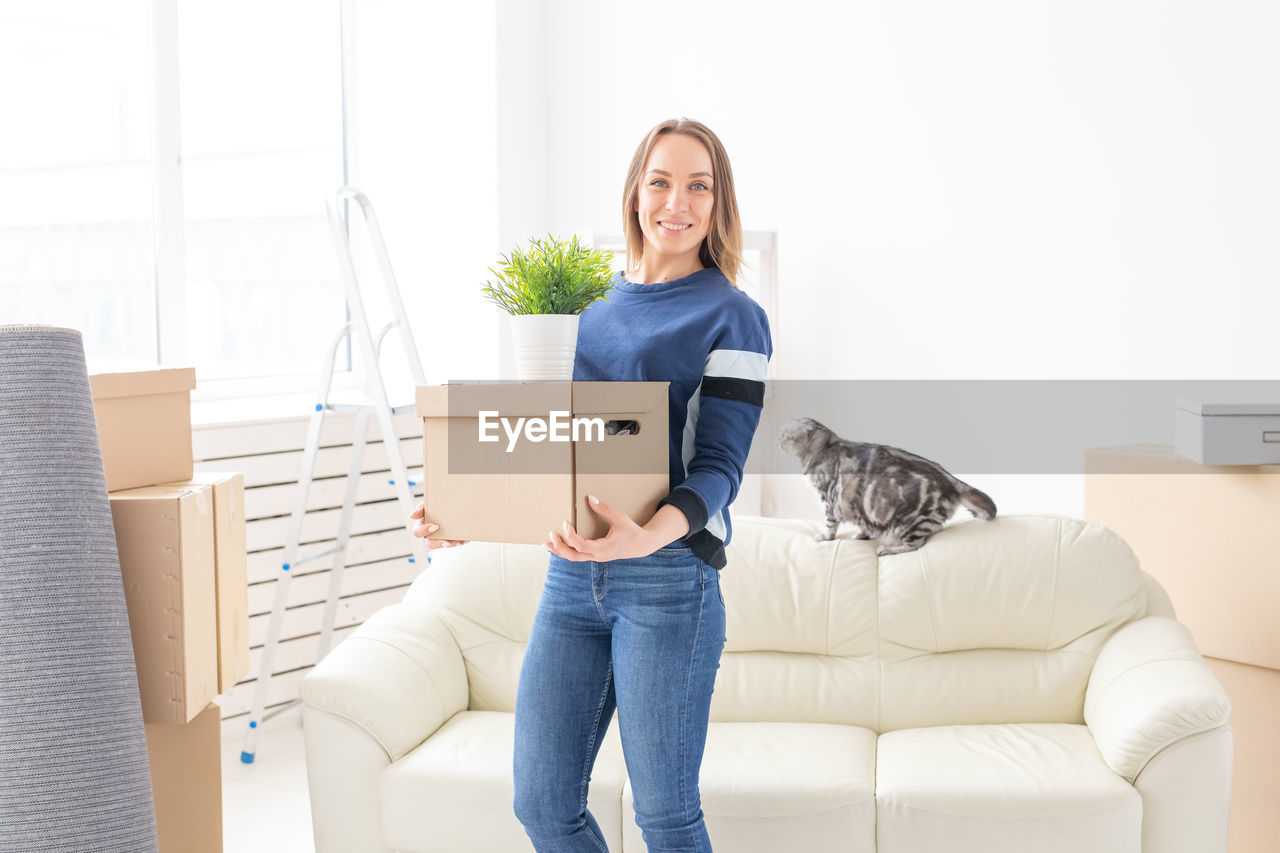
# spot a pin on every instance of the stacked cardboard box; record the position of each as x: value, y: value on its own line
x: 231, y: 574
x: 186, y: 780
x: 181, y: 540
x: 144, y: 426
x: 165, y: 538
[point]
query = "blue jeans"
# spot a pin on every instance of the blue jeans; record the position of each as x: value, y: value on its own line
x: 643, y: 636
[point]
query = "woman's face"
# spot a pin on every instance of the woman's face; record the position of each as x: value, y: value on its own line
x: 675, y: 199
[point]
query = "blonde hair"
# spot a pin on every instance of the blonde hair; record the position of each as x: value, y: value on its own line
x: 722, y: 247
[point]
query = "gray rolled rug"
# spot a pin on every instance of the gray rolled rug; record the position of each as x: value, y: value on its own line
x: 73, y: 752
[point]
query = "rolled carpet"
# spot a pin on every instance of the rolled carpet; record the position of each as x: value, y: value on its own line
x: 73, y: 754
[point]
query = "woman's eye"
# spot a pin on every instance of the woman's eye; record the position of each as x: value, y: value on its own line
x: 657, y: 182
x: 700, y: 186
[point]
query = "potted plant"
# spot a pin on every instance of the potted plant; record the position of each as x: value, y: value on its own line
x: 544, y: 288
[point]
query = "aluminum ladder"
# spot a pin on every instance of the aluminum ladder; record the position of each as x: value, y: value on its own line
x: 374, y: 402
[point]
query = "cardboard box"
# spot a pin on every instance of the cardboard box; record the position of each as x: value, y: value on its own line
x: 231, y: 574
x: 1207, y: 534
x: 144, y: 425
x: 186, y: 782
x: 516, y: 489
x: 165, y: 538
x: 1255, y: 782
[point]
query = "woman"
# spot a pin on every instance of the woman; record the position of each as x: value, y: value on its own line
x: 635, y: 620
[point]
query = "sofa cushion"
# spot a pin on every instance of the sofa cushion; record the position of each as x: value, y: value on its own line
x: 993, y: 621
x: 795, y: 688
x: 791, y: 593
x: 782, y: 786
x: 1002, y: 789
x: 454, y: 793
x: 800, y: 627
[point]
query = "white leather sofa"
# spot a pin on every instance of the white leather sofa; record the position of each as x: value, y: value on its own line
x: 1014, y: 685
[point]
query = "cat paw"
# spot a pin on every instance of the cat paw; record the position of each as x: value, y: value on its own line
x: 824, y: 537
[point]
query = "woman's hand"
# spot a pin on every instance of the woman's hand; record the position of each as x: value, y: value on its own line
x: 424, y: 528
x: 625, y: 538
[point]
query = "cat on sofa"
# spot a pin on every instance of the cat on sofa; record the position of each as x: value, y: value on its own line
x: 894, y: 497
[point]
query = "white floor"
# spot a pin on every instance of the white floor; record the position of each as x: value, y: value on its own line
x: 265, y: 806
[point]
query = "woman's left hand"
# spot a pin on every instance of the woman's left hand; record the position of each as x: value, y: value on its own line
x: 625, y: 538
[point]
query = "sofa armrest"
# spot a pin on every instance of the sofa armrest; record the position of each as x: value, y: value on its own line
x: 397, y: 678
x: 1149, y: 689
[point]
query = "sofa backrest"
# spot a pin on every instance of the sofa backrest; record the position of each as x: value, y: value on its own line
x: 991, y: 621
x: 801, y: 628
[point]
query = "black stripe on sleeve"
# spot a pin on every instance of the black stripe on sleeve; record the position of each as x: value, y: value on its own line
x: 708, y: 548
x: 731, y: 388
x: 688, y: 502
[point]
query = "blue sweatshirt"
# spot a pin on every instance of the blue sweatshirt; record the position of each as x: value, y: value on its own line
x: 711, y: 342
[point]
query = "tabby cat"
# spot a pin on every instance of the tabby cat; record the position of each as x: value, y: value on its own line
x: 894, y: 497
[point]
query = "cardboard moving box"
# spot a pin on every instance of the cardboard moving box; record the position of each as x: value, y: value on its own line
x: 165, y: 538
x: 524, y: 482
x: 144, y: 425
x: 186, y: 782
x: 231, y: 575
x: 1208, y: 534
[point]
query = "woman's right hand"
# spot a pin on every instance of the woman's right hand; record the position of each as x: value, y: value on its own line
x: 424, y: 528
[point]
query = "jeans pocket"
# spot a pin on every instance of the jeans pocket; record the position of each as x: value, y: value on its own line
x: 673, y: 569
x: 675, y: 549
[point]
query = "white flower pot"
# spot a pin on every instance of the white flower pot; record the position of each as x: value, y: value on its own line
x: 544, y: 345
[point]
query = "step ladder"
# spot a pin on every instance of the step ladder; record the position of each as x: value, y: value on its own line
x: 373, y: 401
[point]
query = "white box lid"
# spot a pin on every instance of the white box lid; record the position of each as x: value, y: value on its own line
x: 1207, y: 408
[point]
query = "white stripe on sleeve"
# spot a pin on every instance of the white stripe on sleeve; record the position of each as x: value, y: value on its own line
x: 736, y: 364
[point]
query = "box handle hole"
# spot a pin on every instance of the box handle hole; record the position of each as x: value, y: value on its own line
x: 621, y: 427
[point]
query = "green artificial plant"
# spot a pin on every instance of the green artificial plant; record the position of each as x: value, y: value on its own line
x: 550, y: 277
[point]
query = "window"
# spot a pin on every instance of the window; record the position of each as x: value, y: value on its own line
x: 260, y: 94
x: 98, y: 200
x: 75, y: 173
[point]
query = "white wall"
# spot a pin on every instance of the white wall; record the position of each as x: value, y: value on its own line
x: 522, y: 97
x: 424, y: 141
x: 978, y: 190
x: 449, y: 134
x: 963, y: 190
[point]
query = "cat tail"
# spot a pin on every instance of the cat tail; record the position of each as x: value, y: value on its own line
x: 976, y: 501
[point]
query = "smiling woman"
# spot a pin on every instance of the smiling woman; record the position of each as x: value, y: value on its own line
x: 679, y: 204
x: 634, y: 620
x: 625, y: 617
x: 674, y: 206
